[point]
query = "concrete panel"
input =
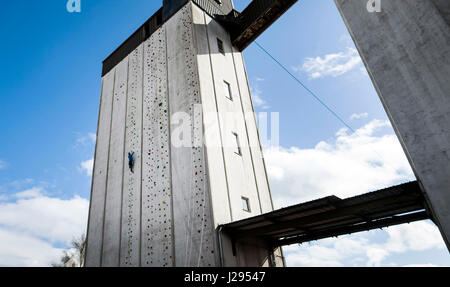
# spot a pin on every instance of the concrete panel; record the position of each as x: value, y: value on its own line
x: 157, y: 231
x: 406, y: 48
x: 194, y: 232
x: 99, y: 176
x: 253, y: 135
x: 239, y: 169
x: 213, y: 141
x: 113, y: 206
x: 131, y: 212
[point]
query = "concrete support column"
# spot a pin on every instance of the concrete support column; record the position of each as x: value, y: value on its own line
x: 406, y: 49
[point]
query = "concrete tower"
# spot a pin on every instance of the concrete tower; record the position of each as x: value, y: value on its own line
x: 178, y: 70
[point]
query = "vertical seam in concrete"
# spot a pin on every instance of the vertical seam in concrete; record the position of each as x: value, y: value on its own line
x: 192, y: 132
x: 218, y: 118
x: 257, y: 132
x: 191, y: 218
x: 107, y: 168
x: 123, y: 161
x: 93, y: 169
x: 142, y: 153
x: 205, y: 158
x: 205, y: 151
x: 246, y: 129
x: 172, y: 220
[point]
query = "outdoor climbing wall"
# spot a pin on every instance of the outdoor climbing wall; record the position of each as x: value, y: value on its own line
x: 213, y: 138
x: 157, y: 229
x: 194, y: 229
x: 113, y: 204
x: 99, y: 176
x: 131, y: 212
x: 166, y: 212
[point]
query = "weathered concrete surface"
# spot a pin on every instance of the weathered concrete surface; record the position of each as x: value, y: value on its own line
x: 167, y: 211
x: 131, y: 211
x: 256, y: 155
x: 232, y: 176
x: 238, y: 168
x: 113, y: 206
x: 406, y: 48
x: 157, y: 226
x: 212, y: 139
x: 192, y: 216
x: 99, y: 176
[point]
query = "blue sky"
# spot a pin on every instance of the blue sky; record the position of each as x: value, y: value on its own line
x: 50, y: 92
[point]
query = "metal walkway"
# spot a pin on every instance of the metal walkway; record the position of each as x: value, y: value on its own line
x: 332, y: 216
x: 258, y: 16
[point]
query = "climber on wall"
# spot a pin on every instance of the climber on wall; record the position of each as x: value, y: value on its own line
x: 131, y: 161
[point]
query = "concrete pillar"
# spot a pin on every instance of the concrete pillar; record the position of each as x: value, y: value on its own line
x: 406, y: 50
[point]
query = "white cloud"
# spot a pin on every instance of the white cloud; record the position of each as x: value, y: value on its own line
x: 256, y: 92
x: 92, y: 137
x: 87, y: 166
x: 314, y: 255
x: 333, y: 65
x: 375, y: 255
x: 20, y: 250
x: 329, y: 252
x: 86, y: 144
x: 30, y: 193
x: 418, y: 237
x: 257, y: 100
x: 17, y: 184
x: 363, y: 249
x: 54, y: 219
x: 31, y: 226
x: 85, y: 140
x: 348, y: 165
x: 359, y: 116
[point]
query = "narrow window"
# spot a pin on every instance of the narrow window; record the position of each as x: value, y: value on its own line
x: 237, y: 145
x: 245, y: 204
x: 227, y: 87
x: 220, y: 45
